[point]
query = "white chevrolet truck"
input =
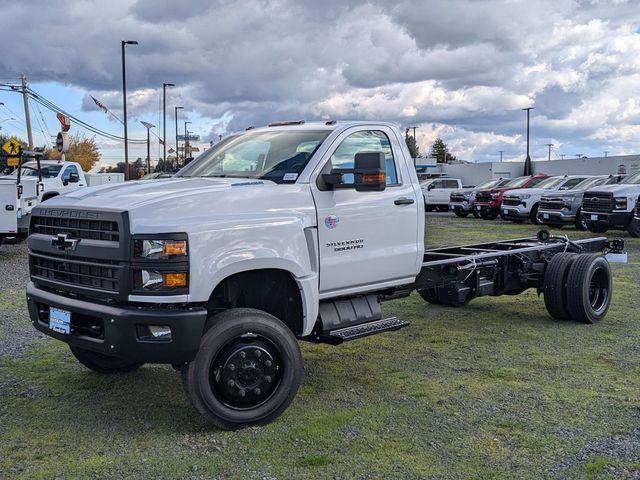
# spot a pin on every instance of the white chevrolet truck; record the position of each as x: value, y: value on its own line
x: 291, y: 231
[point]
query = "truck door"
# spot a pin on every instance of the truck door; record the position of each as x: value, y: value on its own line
x: 367, y: 238
x: 71, y: 179
x: 448, y: 187
x: 8, y: 207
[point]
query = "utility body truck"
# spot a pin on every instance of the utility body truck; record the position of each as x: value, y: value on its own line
x: 522, y: 204
x: 612, y: 206
x: 291, y: 231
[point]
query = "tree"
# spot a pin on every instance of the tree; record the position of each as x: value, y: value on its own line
x: 414, y: 150
x: 83, y: 150
x: 440, y: 152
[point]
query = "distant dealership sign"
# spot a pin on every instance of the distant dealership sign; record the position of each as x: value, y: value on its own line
x: 190, y: 138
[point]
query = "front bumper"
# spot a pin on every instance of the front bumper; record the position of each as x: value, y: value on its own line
x: 556, y: 216
x: 610, y: 220
x: 514, y: 212
x: 114, y: 330
x: 486, y: 208
x: 463, y: 207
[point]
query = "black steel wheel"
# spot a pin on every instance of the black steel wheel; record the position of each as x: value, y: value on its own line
x: 247, y: 370
x: 101, y: 363
x: 589, y: 288
x: 489, y: 215
x: 533, y: 216
x: 555, y: 285
x: 634, y: 228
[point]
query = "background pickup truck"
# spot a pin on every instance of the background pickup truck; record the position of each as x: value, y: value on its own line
x: 292, y: 231
x: 462, y: 201
x: 437, y: 192
x: 612, y: 206
x: 489, y: 201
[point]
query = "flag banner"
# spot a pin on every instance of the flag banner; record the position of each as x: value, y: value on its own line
x: 171, y: 150
x: 99, y: 104
x: 147, y: 124
x: 161, y: 142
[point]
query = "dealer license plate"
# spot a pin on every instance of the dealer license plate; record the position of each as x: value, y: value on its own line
x: 478, y: 208
x: 60, y: 320
x: 545, y: 216
x: 505, y: 211
x: 594, y: 217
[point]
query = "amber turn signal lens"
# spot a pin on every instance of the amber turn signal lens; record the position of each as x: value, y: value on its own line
x: 174, y: 279
x: 373, y: 177
x: 175, y: 248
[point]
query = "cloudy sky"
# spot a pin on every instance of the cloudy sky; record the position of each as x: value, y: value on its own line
x: 459, y: 69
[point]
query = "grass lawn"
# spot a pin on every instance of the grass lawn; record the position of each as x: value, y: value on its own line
x: 496, y: 389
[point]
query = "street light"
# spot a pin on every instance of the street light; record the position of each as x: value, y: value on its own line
x: 124, y: 105
x: 148, y: 126
x: 164, y: 118
x: 176, y: 120
x: 501, y: 152
x: 186, y: 140
x: 527, y: 161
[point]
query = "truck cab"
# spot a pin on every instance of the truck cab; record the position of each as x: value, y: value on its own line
x: 437, y: 192
x: 58, y: 177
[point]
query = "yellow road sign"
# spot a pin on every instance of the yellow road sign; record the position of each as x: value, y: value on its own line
x: 12, y: 147
x: 12, y: 161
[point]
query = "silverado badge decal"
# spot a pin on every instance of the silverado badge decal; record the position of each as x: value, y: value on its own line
x: 332, y: 221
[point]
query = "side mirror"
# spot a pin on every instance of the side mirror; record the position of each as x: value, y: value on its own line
x: 74, y: 177
x: 430, y: 187
x: 370, y: 172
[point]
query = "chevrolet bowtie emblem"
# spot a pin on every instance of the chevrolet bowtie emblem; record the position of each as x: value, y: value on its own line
x: 63, y: 242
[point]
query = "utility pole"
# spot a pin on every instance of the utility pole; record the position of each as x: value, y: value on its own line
x: 549, y: 145
x: 177, y: 152
x: 501, y: 152
x: 605, y: 153
x: 27, y: 116
x: 164, y: 119
x: 562, y: 156
x: 186, y: 140
x: 124, y: 107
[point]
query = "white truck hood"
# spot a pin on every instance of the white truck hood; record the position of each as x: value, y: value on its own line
x: 185, y: 204
x: 619, y: 190
x: 530, y: 191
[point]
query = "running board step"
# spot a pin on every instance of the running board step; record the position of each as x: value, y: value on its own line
x: 340, y: 335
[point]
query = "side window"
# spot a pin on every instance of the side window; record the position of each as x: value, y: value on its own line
x: 365, y: 141
x: 450, y: 184
x: 68, y: 171
x: 437, y: 184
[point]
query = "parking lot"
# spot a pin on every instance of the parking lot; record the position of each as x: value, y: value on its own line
x: 494, y: 389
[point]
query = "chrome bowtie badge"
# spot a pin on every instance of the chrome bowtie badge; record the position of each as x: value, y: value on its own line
x: 63, y: 242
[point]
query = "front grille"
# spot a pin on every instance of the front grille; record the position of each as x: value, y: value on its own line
x: 511, y: 201
x: 78, y: 271
x: 483, y: 197
x: 598, y: 202
x: 551, y: 204
x: 76, y: 227
x: 456, y: 198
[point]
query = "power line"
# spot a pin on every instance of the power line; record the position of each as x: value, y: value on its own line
x: 47, y: 140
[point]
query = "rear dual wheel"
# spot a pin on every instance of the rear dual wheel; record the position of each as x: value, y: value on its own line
x: 578, y: 287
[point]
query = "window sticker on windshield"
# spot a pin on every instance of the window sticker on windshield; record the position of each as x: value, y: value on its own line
x: 291, y: 177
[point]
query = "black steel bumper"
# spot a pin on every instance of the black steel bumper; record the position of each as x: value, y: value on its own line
x: 610, y: 220
x: 115, y: 330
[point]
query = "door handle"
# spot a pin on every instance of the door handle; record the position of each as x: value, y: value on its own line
x: 403, y: 201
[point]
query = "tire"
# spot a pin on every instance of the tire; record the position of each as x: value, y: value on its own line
x: 247, y: 370
x: 428, y: 208
x: 554, y: 288
x: 589, y: 288
x: 533, y: 216
x: 475, y: 214
x: 98, y: 362
x: 490, y: 215
x: 431, y: 296
x: 461, y: 214
x: 634, y: 227
x: 597, y: 228
x: 580, y: 223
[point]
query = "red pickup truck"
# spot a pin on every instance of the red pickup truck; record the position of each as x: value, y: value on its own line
x: 488, y: 201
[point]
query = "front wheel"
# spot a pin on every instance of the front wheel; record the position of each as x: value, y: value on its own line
x: 489, y: 215
x: 476, y: 214
x: 533, y: 216
x: 101, y: 363
x: 581, y: 223
x: 247, y: 370
x: 461, y: 214
x: 634, y: 227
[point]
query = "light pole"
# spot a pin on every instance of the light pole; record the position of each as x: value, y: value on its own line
x: 606, y: 153
x: 527, y: 161
x: 164, y: 119
x: 148, y: 126
x: 186, y: 140
x: 501, y: 152
x: 124, y: 107
x: 549, y: 156
x: 176, y: 118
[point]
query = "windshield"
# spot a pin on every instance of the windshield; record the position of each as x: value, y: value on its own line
x: 550, y: 183
x: 279, y: 156
x: 518, y: 182
x: 48, y: 171
x: 632, y: 179
x: 590, y: 182
x: 489, y: 183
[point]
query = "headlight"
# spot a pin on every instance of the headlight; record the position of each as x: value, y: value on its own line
x: 568, y: 198
x: 524, y: 196
x: 621, y: 203
x: 159, y: 281
x: 468, y: 195
x: 495, y: 195
x: 154, y: 249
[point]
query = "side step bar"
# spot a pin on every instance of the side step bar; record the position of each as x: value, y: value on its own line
x: 336, y: 337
